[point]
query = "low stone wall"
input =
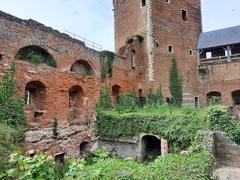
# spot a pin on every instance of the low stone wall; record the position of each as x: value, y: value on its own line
x: 131, y: 147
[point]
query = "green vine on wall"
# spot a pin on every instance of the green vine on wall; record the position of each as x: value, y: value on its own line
x: 106, y: 61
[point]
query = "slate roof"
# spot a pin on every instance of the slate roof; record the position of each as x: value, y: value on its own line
x: 219, y: 37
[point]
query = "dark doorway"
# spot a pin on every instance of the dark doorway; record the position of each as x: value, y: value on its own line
x: 84, y: 148
x: 236, y: 97
x: 151, y: 148
x: 59, y: 158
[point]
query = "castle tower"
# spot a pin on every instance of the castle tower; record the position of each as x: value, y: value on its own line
x: 170, y: 29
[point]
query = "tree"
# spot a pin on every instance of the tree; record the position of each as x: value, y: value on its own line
x: 175, y: 84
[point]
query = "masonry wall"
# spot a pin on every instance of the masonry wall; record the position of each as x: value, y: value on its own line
x: 223, y: 78
x: 16, y: 34
x: 169, y: 29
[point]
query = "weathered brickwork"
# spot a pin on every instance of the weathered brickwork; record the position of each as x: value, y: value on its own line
x: 54, y: 84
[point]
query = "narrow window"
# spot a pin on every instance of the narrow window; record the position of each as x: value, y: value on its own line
x: 190, y: 52
x: 168, y: 1
x: 157, y: 44
x: 1, y: 57
x: 196, y: 100
x: 133, y: 59
x: 143, y: 3
x: 170, y: 49
x: 184, y: 15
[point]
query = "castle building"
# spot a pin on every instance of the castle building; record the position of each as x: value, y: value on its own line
x: 148, y: 35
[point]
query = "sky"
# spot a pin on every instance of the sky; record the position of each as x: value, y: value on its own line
x: 94, y: 20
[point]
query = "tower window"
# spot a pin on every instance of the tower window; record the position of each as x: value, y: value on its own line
x: 170, y: 49
x: 143, y: 3
x: 133, y: 59
x: 168, y: 1
x: 184, y: 15
x: 1, y: 57
x: 190, y: 52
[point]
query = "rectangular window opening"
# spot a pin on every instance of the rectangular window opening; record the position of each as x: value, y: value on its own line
x: 133, y: 59
x: 170, y: 49
x: 168, y: 1
x: 184, y: 15
x: 143, y: 3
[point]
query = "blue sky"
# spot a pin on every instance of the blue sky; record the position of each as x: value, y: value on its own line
x: 93, y: 19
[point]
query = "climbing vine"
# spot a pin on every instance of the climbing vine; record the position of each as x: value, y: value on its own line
x: 106, y: 61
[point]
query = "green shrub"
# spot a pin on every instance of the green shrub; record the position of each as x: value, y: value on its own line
x: 11, y: 108
x: 128, y: 102
x: 172, y: 166
x: 220, y: 120
x: 105, y: 101
x: 175, y: 84
x: 155, y: 99
x: 179, y: 129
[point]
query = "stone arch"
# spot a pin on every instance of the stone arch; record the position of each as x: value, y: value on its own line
x: 75, y: 96
x: 35, y: 92
x: 236, y: 97
x: 36, y: 55
x: 116, y: 92
x: 150, y: 147
x: 82, y: 67
x: 213, y: 97
x: 84, y: 148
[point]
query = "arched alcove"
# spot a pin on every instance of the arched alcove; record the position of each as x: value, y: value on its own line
x: 213, y: 97
x: 35, y: 92
x: 84, y: 148
x: 150, y: 147
x: 82, y: 67
x: 36, y: 55
x: 116, y: 91
x: 236, y: 97
x: 76, y: 96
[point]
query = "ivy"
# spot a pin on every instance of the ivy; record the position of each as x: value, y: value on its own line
x: 179, y: 129
x: 175, y: 84
x: 106, y: 61
x: 105, y: 101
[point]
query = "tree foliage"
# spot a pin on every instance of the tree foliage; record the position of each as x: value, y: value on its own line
x: 175, y: 84
x: 155, y: 99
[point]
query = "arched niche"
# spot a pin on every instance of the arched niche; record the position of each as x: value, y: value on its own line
x: 36, y: 55
x: 35, y: 92
x: 82, y: 67
x: 213, y: 97
x: 236, y: 97
x: 75, y: 96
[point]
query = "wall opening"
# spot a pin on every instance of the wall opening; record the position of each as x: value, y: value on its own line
x: 84, y: 148
x: 196, y: 102
x: 82, y: 67
x: 190, y: 52
x: 142, y: 98
x: 168, y: 1
x: 59, y: 158
x: 1, y: 57
x: 235, y: 50
x: 36, y: 55
x: 170, y: 49
x: 213, y: 97
x: 35, y: 93
x: 236, y: 97
x: 184, y: 15
x: 116, y: 91
x: 133, y: 59
x: 151, y: 147
x: 143, y: 3
x: 75, y: 97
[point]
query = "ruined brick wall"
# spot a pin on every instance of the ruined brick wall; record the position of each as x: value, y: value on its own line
x: 75, y: 124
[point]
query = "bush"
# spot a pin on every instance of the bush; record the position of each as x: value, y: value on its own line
x: 172, y: 166
x: 155, y: 99
x: 179, y: 129
x: 220, y: 120
x: 128, y: 102
x: 105, y: 101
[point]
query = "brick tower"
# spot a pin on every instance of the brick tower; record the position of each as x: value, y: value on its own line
x: 170, y: 28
